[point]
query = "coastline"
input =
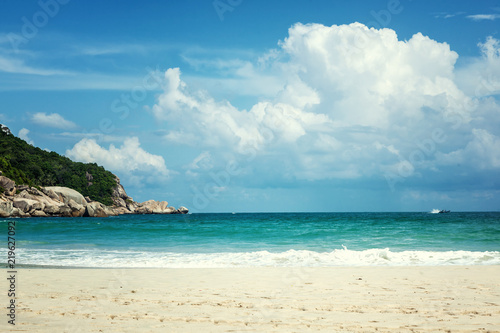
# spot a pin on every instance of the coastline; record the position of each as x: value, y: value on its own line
x: 341, y: 299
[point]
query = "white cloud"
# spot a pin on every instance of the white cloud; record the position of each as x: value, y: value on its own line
x: 483, y: 149
x: 355, y: 102
x: 482, y: 17
x: 129, y: 159
x: 23, y: 134
x: 18, y: 66
x: 481, y: 77
x: 52, y: 120
x: 202, y: 120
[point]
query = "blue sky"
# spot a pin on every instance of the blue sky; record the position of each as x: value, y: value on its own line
x: 238, y: 105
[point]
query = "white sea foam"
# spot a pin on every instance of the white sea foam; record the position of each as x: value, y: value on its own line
x: 291, y: 258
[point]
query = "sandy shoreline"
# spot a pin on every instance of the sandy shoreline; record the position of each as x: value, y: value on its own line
x: 336, y: 299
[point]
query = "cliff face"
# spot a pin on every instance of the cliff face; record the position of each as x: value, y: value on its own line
x: 26, y: 201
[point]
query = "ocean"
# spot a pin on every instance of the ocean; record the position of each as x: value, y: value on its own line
x: 259, y: 239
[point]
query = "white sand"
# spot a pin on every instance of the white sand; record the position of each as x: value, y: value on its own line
x: 344, y: 299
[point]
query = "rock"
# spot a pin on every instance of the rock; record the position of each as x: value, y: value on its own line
x: 119, y: 202
x: 6, y: 208
x: 65, y: 211
x: 38, y: 213
x: 50, y: 193
x: 19, y: 213
x: 110, y: 211
x: 51, y: 209
x: 145, y: 207
x: 131, y: 206
x: 77, y: 210
x: 65, y: 194
x: 119, y: 191
x: 24, y: 205
x: 95, y: 209
x: 182, y: 210
x: 121, y: 211
x: 156, y: 207
x: 5, y: 129
x: 34, y: 191
x: 8, y: 185
x: 152, y: 207
x: 38, y: 205
x: 21, y: 188
x: 170, y: 210
x: 160, y: 207
x: 63, y: 201
x: 122, y: 200
x: 24, y: 194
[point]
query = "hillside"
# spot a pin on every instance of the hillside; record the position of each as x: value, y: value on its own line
x: 26, y: 164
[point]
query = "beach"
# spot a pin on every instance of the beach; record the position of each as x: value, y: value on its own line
x: 259, y: 299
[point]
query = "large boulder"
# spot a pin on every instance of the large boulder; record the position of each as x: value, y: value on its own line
x: 6, y: 208
x: 38, y: 213
x: 153, y: 207
x: 182, y: 210
x: 34, y: 191
x: 37, y: 205
x: 161, y: 207
x: 169, y: 210
x: 95, y: 209
x: 50, y: 193
x: 24, y: 205
x: 65, y: 211
x: 145, y: 207
x: 8, y: 185
x: 119, y: 202
x: 120, y: 211
x: 65, y: 194
x: 52, y: 209
x: 77, y: 210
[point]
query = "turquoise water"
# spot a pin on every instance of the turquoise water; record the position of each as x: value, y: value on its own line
x: 263, y: 239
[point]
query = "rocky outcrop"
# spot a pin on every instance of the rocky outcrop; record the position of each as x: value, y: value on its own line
x: 6, y: 209
x: 66, y: 194
x: 26, y: 201
x: 8, y: 185
x: 5, y: 129
x: 182, y: 210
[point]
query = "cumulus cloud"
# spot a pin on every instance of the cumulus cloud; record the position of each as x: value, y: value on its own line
x: 52, y: 120
x: 483, y: 149
x: 128, y: 159
x: 354, y: 103
x: 481, y: 77
x: 200, y: 120
x: 23, y: 134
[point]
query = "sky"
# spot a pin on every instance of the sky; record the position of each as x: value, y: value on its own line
x: 265, y: 106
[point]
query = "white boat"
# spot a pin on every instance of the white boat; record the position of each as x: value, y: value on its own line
x: 439, y: 211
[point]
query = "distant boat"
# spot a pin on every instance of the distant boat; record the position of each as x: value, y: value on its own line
x: 439, y: 211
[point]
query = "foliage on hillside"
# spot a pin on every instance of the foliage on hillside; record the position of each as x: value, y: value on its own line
x: 33, y: 166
